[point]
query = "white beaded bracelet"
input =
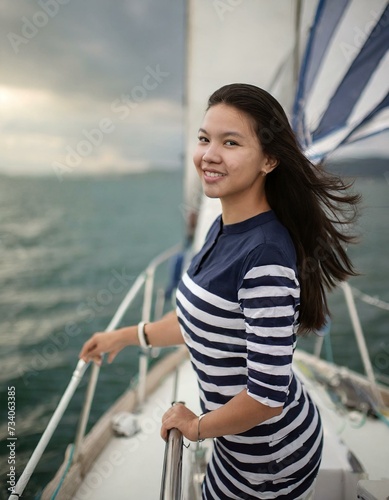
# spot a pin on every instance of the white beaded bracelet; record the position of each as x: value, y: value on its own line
x: 142, y: 337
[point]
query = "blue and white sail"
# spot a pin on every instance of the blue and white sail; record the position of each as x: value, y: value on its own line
x: 343, y: 88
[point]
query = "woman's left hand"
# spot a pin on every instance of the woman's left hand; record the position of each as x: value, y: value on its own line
x: 181, y: 418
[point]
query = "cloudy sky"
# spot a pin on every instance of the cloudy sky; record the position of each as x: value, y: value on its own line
x: 92, y: 85
x: 97, y: 86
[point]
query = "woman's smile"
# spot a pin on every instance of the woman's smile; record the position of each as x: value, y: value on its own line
x: 212, y: 175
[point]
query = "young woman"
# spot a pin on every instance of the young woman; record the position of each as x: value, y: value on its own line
x: 258, y: 281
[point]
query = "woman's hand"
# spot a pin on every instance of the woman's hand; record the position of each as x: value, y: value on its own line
x: 104, y: 342
x: 181, y: 418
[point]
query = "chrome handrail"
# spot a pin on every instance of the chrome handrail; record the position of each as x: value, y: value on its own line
x: 171, y: 484
x: 147, y: 275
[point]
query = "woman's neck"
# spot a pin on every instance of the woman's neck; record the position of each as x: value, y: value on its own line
x: 233, y: 214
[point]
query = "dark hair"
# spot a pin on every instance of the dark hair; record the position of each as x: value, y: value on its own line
x: 311, y: 203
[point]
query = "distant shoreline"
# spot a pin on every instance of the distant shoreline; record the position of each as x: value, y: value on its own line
x: 359, y: 167
x: 353, y: 167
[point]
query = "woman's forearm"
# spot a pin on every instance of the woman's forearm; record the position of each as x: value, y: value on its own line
x: 240, y: 414
x: 162, y: 333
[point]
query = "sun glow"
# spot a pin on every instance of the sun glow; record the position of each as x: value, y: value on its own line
x: 16, y: 98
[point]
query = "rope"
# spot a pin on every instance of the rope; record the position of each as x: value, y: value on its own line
x: 70, y: 459
x: 382, y: 417
x: 328, y: 349
x: 373, y: 301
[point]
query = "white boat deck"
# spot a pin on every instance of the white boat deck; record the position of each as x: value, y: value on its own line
x: 131, y: 468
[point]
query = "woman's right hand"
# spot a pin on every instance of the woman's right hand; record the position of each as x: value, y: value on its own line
x: 100, y: 343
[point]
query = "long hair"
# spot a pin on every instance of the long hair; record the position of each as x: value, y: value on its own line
x: 314, y: 205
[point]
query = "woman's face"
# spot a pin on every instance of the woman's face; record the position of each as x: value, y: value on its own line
x: 229, y: 158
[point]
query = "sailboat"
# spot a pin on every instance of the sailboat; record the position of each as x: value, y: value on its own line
x: 334, y: 82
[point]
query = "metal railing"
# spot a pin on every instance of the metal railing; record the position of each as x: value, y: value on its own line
x: 171, y: 484
x: 146, y: 278
x: 360, y: 338
x: 51, y: 426
x: 361, y: 342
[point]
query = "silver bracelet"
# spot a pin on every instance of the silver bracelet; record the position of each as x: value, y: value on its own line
x: 198, y: 428
x: 142, y: 337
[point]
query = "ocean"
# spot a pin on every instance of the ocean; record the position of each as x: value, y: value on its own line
x: 71, y: 249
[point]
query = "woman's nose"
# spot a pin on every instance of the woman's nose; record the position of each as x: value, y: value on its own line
x: 212, y: 154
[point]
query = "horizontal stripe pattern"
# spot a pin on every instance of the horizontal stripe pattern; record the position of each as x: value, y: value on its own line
x: 239, y: 322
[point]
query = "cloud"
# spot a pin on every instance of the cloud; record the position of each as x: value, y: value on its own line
x: 94, y: 47
x: 85, y: 136
x: 66, y: 63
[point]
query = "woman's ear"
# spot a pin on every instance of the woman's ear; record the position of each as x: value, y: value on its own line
x: 271, y: 163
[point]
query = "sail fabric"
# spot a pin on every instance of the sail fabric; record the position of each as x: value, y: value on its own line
x: 343, y: 88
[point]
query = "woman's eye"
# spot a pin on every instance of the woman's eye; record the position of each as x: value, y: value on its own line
x: 231, y: 143
x: 203, y: 139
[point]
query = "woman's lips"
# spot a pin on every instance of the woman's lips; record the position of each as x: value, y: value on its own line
x: 213, y: 176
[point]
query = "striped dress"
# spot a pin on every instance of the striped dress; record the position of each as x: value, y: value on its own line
x: 238, y: 307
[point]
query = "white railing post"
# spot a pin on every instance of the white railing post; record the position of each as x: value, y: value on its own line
x: 361, y: 341
x: 146, y: 314
x: 51, y: 426
x: 146, y: 317
x: 96, y: 369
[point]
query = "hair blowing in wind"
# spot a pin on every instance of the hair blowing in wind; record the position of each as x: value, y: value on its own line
x: 314, y: 205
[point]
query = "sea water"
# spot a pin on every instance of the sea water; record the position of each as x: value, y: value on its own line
x: 70, y: 251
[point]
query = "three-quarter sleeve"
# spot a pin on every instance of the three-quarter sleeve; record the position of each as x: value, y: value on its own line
x: 269, y: 295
